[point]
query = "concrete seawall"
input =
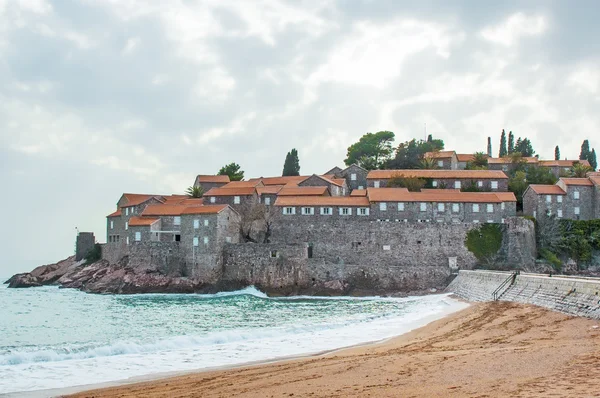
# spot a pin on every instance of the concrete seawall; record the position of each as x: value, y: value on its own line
x: 571, y: 295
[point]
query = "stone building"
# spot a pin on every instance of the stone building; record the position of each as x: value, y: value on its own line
x: 207, y: 182
x: 356, y: 177
x: 463, y: 159
x: 323, y: 207
x: 336, y: 186
x: 507, y: 165
x: 235, y: 193
x: 561, y: 168
x: 571, y: 198
x: 485, y: 180
x: 446, y: 160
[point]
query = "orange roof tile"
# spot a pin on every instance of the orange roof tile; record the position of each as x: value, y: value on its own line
x: 134, y: 199
x: 335, y: 181
x: 562, y: 163
x: 595, y: 179
x: 192, y: 202
x: 115, y: 214
x: 304, y: 191
x: 212, y: 178
x: 349, y: 201
x: 294, y: 180
x: 542, y: 189
x: 242, y: 184
x: 163, y: 210
x: 269, y: 190
x: 577, y: 181
x: 403, y: 195
x: 241, y: 191
x: 142, y: 221
x: 358, y: 192
x: 423, y: 173
x: 503, y: 196
x: 437, y: 190
x: 465, y: 157
x: 385, y: 194
x: 508, y: 160
x: 209, y: 209
x: 439, y: 154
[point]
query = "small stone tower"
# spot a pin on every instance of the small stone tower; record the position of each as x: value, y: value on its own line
x: 85, y: 243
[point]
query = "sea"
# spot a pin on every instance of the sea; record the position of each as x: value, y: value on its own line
x: 53, y: 338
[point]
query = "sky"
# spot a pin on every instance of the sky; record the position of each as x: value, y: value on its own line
x: 101, y: 97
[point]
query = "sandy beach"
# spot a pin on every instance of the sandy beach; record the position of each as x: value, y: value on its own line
x: 487, y: 350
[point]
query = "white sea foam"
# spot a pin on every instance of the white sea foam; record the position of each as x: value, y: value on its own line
x: 296, y: 329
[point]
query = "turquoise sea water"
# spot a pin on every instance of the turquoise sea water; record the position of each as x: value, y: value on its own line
x: 57, y: 338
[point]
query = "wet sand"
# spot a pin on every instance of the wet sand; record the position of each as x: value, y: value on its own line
x: 487, y: 350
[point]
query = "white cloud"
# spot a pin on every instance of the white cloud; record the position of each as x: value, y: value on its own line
x: 586, y: 78
x: 130, y: 46
x: 516, y: 26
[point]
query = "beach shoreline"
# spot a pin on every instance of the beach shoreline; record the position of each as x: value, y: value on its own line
x: 487, y: 349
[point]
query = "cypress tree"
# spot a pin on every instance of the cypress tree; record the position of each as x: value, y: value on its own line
x: 511, y: 142
x: 585, y: 151
x: 489, y: 148
x: 503, y: 151
x: 556, y: 153
x: 291, y: 166
x: 593, y: 161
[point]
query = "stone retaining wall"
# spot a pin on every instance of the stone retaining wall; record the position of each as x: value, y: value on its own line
x: 571, y: 295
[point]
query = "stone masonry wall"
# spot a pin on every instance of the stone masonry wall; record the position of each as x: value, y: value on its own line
x: 571, y: 295
x: 84, y: 243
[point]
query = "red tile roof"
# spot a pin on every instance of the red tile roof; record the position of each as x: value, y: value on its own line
x: 508, y: 160
x: 577, y: 181
x: 562, y: 163
x: 465, y: 157
x: 293, y: 180
x: 242, y: 184
x: 439, y: 154
x: 304, y: 191
x: 402, y: 195
x: 441, y: 174
x: 541, y: 189
x: 348, y: 201
x: 437, y: 190
x: 209, y: 209
x: 358, y: 192
x: 595, y: 179
x: 269, y: 190
x: 134, y: 199
x: 115, y: 214
x: 142, y: 221
x: 212, y: 178
x: 163, y: 210
x: 241, y: 191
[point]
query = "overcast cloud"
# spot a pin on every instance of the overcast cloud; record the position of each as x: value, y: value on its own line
x: 101, y: 97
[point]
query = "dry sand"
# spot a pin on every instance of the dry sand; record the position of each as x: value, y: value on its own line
x: 488, y: 350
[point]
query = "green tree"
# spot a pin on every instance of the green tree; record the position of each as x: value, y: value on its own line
x: 503, y: 149
x: 409, y: 153
x: 372, y: 151
x: 233, y: 170
x: 518, y: 184
x: 593, y: 161
x: 524, y: 147
x: 428, y: 163
x: 585, y: 150
x: 291, y: 166
x: 556, y: 153
x: 194, y: 191
x: 412, y: 184
x: 479, y: 162
x: 485, y: 242
x: 511, y: 142
x: 579, y: 170
x: 489, y: 147
x: 540, y: 175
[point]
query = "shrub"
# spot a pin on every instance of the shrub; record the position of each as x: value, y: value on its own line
x: 93, y: 255
x: 551, y: 258
x: 485, y: 242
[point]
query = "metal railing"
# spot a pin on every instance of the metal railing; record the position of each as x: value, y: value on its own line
x: 508, y: 282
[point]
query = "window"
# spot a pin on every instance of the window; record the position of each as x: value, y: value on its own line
x: 457, y: 185
x: 345, y: 211
x: 308, y: 211
x: 196, y: 224
x: 138, y: 236
x: 376, y: 184
x: 127, y: 211
x: 475, y: 208
x: 289, y: 210
x: 475, y: 221
x: 494, y: 184
x: 126, y: 225
x: 360, y: 187
x: 274, y: 254
x: 267, y: 201
x: 326, y: 211
x: 206, y: 223
x: 112, y: 224
x: 576, y: 210
x: 490, y: 221
x: 206, y: 240
x: 576, y: 195
x: 236, y: 200
x: 559, y: 213
x: 441, y: 207
x: 440, y: 163
x: 228, y: 239
x: 383, y: 206
x: 213, y: 199
x: 455, y: 207
x: 423, y: 206
x: 480, y: 184
x: 401, y: 206
x: 548, y: 199
x: 502, y: 206
x: 176, y: 220
x: 490, y: 208
x: 504, y: 168
x: 363, y: 211
x: 434, y: 184
x: 353, y: 176
x: 195, y: 241
x: 534, y: 214
x: 127, y: 240
x: 559, y: 198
